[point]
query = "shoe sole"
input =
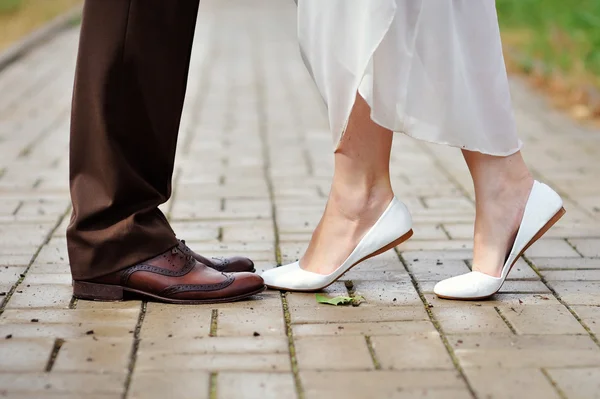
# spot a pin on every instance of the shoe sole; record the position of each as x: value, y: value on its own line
x: 379, y: 251
x: 117, y: 293
x: 536, y: 237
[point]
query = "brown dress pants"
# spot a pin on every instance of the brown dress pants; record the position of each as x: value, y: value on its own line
x: 128, y: 96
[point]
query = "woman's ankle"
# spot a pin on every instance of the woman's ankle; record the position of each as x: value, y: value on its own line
x: 504, y: 187
x: 355, y: 201
x: 498, y: 176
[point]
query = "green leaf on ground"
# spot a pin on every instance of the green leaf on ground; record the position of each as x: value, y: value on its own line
x: 340, y: 300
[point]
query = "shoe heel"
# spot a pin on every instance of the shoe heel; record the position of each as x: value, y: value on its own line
x: 391, y: 245
x: 97, y: 292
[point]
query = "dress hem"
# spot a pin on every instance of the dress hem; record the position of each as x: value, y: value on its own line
x: 415, y: 126
x: 459, y: 146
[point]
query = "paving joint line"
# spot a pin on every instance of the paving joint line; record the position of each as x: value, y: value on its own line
x: 54, y: 164
x: 566, y: 305
x: 58, y: 343
x: 292, y: 346
x: 214, y: 319
x: 351, y: 289
x: 270, y: 189
x: 508, y: 323
x: 445, y: 230
x: 134, y: 349
x: 73, y: 303
x: 212, y: 385
x: 320, y: 192
x: 558, y: 390
x: 574, y: 247
x: 562, y: 269
x: 14, y: 287
x: 18, y: 208
x: 266, y: 155
x: 349, y: 284
x: 339, y: 321
x: 372, y: 352
x: 437, y: 326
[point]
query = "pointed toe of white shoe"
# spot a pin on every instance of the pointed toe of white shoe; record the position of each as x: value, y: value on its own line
x: 293, y: 277
x: 393, y: 227
x: 473, y: 285
x: 543, y: 209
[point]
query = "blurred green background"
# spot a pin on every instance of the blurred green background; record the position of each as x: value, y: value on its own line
x: 563, y: 34
x: 20, y: 17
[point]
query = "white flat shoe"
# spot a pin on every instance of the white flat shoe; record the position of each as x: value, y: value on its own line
x: 544, y: 207
x: 392, y: 228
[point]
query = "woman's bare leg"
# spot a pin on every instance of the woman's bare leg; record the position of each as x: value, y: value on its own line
x: 360, y: 192
x: 502, y: 186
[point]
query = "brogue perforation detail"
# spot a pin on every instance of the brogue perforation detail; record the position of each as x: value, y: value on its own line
x: 221, y: 265
x: 176, y: 289
x: 187, y: 267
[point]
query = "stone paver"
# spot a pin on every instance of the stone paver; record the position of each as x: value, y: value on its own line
x: 162, y: 322
x: 468, y: 319
x: 255, y: 385
x: 18, y: 355
x: 510, y: 383
x: 377, y: 328
x: 578, y: 382
x: 214, y: 362
x: 589, y: 247
x: 386, y: 384
x: 170, y: 384
x: 590, y: 316
x: 41, y: 384
x: 333, y: 353
x: 578, y: 292
x: 512, y: 351
x: 566, y: 263
x: 536, y: 320
x: 104, y: 355
x: 414, y: 351
x: 252, y: 175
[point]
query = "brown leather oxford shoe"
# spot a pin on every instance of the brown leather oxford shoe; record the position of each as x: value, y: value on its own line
x: 234, y: 264
x: 173, y: 277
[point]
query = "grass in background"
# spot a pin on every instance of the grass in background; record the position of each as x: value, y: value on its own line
x: 20, y: 17
x: 9, y: 5
x: 556, y: 40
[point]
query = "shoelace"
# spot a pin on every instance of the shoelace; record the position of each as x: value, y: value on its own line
x: 177, y: 251
x: 187, y: 249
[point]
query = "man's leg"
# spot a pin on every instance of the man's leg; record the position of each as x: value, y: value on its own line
x: 128, y: 96
x: 129, y: 90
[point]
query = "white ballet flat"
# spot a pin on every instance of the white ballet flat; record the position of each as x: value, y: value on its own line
x: 393, y: 227
x: 544, y: 208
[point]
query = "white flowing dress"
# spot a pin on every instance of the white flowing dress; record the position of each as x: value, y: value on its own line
x: 432, y: 69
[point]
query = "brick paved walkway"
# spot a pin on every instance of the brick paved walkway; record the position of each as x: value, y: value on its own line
x: 252, y: 176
